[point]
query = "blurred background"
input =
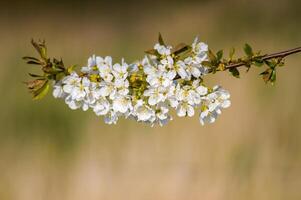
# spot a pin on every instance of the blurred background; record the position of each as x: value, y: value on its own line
x: 48, y: 151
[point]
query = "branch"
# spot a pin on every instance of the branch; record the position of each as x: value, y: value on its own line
x: 281, y: 54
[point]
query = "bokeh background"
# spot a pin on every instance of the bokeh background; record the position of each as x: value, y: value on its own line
x: 253, y: 151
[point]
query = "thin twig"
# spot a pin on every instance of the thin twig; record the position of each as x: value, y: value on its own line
x: 281, y: 54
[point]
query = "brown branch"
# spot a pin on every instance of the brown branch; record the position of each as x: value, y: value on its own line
x: 281, y: 54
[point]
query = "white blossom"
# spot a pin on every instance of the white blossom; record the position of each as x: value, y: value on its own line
x: 142, y: 111
x: 213, y: 103
x: 101, y: 106
x: 70, y: 82
x: 122, y: 104
x: 163, y: 50
x: 200, y: 50
x: 58, y: 91
x: 166, y: 81
x: 111, y: 118
x: 185, y: 109
x: 155, y: 95
x: 120, y: 71
x: 91, y: 67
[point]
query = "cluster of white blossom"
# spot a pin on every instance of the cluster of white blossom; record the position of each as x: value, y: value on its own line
x: 167, y: 82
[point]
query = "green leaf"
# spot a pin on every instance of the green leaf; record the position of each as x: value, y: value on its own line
x: 273, y: 77
x: 34, y: 85
x: 41, y: 48
x: 33, y: 62
x: 211, y: 56
x: 258, y: 61
x: 248, y: 50
x: 52, y: 70
x: 40, y: 93
x: 231, y: 53
x: 258, y: 64
x: 151, y: 52
x: 30, y: 58
x: 35, y: 75
x: 234, y: 72
x: 181, y: 48
x: 266, y: 75
x: 207, y: 64
x: 219, y: 55
x: 272, y: 64
x: 160, y: 40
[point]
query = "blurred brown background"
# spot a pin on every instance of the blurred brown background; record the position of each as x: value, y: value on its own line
x: 49, y: 152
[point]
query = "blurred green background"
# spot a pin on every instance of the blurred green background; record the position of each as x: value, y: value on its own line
x: 253, y: 151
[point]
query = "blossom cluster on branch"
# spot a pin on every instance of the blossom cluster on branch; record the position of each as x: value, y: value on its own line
x: 147, y: 90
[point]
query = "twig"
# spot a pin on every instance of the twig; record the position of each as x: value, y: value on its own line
x: 281, y: 54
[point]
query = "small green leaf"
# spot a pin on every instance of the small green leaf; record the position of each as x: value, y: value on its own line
x: 258, y: 64
x: 40, y: 46
x: 30, y: 58
x: 272, y: 64
x: 273, y: 77
x: 207, y: 64
x: 234, y: 72
x: 266, y: 75
x: 152, y: 52
x: 211, y: 56
x: 231, y: 53
x: 248, y: 50
x: 33, y: 62
x: 181, y: 48
x: 160, y: 40
x: 35, y: 75
x: 219, y: 55
x: 40, y: 93
x: 34, y: 85
x: 52, y: 70
x: 258, y: 61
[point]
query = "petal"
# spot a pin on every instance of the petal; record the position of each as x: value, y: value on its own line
x: 91, y: 61
x: 68, y: 88
x: 181, y: 111
x: 182, y: 73
x: 147, y: 92
x: 108, y: 60
x: 226, y: 104
x: 57, y: 92
x: 190, y: 111
x: 117, y: 67
x: 86, y: 82
x: 85, y: 107
x: 99, y: 61
x: 152, y: 100
x: 195, y: 72
x: 203, y: 47
x: 173, y: 102
x: 120, y: 105
x: 171, y: 74
x: 202, y: 90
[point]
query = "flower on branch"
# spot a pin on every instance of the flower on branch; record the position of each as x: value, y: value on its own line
x: 166, y: 78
